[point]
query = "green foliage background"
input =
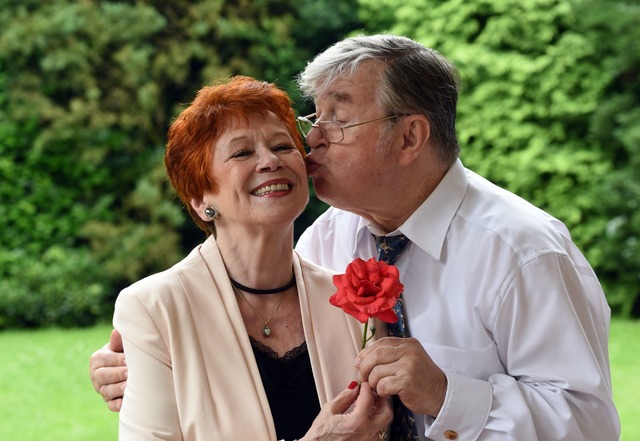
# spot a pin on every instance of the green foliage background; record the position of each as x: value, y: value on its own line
x: 549, y: 109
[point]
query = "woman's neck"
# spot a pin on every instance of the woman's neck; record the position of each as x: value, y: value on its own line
x: 260, y: 260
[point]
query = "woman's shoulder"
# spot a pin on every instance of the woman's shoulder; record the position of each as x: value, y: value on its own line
x: 165, y: 283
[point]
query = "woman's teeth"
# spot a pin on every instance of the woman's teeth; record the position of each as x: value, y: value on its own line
x: 271, y: 188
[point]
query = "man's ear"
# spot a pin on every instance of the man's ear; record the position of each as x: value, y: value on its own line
x: 416, y: 134
x: 198, y: 206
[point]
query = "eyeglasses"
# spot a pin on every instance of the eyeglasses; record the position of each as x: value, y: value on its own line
x: 331, y: 131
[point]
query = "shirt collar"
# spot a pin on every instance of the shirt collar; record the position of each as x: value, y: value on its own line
x: 363, y: 235
x: 427, y: 227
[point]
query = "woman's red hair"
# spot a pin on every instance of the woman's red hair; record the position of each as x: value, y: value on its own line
x: 216, y: 108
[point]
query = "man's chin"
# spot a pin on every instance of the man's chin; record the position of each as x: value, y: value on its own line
x: 320, y: 189
x: 312, y: 169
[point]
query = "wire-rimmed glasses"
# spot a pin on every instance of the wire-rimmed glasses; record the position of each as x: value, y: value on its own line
x: 331, y: 131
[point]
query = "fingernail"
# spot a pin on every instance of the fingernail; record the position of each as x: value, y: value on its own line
x: 352, y: 385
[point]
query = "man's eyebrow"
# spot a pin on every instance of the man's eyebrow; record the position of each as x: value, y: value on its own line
x: 341, y: 97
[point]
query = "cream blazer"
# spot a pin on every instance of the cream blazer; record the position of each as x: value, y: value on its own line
x: 192, y: 372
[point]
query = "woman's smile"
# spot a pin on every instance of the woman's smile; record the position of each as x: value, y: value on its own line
x: 273, y: 188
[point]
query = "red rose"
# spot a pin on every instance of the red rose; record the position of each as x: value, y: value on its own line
x: 368, y: 289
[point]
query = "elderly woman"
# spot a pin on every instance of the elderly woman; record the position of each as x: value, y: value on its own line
x: 238, y: 341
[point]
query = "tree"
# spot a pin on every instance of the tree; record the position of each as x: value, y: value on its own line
x: 613, y: 126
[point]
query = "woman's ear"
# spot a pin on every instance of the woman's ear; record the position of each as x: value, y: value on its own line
x: 416, y: 134
x: 199, y: 206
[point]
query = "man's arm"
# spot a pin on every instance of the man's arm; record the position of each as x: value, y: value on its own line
x: 108, y: 370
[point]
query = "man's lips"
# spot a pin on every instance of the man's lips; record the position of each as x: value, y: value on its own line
x: 312, y: 165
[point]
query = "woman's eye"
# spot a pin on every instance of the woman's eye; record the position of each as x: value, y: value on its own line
x: 240, y: 153
x: 284, y: 147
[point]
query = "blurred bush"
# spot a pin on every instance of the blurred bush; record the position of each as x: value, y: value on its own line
x: 62, y: 287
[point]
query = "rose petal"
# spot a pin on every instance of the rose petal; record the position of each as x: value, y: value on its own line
x: 359, y: 315
x: 388, y: 316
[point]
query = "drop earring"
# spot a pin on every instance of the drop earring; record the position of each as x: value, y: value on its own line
x: 211, y: 213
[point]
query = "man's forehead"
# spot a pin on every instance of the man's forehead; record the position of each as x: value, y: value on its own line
x: 340, y: 90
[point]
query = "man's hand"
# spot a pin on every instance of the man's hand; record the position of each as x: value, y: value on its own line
x: 401, y: 366
x: 108, y: 370
x: 370, y: 416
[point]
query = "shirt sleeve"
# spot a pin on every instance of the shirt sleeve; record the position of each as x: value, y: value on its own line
x: 149, y: 411
x: 552, y: 337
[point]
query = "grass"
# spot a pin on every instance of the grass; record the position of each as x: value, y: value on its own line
x: 624, y: 355
x: 46, y: 394
x: 45, y: 391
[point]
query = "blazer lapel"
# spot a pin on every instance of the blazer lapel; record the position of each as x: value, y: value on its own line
x: 333, y: 337
x: 231, y: 368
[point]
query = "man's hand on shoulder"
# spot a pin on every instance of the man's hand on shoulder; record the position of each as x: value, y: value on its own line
x: 108, y: 370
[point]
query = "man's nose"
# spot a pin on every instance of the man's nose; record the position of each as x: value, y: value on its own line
x: 315, y: 139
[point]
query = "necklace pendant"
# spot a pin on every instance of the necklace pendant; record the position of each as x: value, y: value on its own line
x: 266, y: 331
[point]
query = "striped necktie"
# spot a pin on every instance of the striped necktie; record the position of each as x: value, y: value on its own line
x: 403, y: 426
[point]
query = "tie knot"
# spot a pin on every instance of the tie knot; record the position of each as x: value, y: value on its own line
x: 389, y: 248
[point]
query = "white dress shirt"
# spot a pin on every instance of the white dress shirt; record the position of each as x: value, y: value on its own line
x: 504, y: 303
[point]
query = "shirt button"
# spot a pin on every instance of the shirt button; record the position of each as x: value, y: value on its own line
x: 451, y: 434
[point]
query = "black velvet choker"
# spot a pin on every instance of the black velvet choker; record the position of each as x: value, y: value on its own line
x: 289, y: 284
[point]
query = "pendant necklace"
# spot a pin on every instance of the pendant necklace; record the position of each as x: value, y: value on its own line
x: 266, y: 330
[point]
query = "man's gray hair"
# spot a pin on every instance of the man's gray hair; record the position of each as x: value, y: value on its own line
x: 414, y: 80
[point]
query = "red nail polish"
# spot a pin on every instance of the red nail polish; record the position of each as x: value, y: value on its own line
x: 352, y: 385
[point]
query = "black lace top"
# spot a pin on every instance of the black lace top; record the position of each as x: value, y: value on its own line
x: 291, y: 390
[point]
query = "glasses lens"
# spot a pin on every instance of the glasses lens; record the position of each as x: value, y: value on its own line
x: 332, y: 132
x: 304, y: 125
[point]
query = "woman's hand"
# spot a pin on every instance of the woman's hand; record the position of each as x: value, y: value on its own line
x: 370, y: 415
